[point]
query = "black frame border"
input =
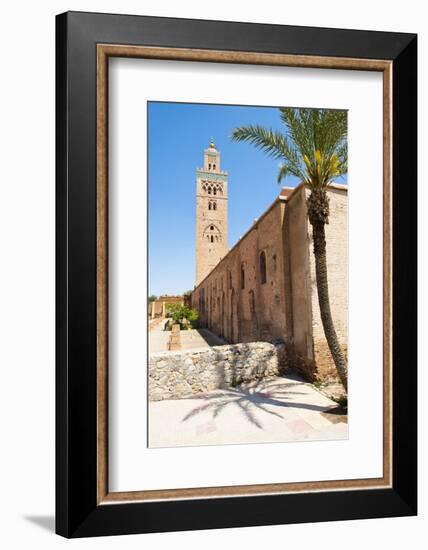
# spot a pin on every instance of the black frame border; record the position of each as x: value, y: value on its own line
x: 77, y: 512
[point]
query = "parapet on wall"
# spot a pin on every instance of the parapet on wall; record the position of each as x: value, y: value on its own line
x: 173, y: 375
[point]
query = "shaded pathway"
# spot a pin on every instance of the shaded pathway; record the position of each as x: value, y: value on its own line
x: 190, y: 339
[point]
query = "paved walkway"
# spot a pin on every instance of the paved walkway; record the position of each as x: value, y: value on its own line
x: 190, y: 339
x: 200, y: 338
x: 279, y: 410
x: 158, y: 338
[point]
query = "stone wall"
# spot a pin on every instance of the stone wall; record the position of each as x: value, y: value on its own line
x: 173, y: 375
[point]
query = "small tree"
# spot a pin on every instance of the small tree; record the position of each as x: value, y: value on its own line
x: 152, y: 298
x: 180, y: 314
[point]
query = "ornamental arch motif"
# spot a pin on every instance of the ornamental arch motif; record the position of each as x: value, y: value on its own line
x: 212, y: 187
x: 212, y: 233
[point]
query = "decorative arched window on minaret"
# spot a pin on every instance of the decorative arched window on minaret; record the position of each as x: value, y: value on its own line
x: 211, y: 213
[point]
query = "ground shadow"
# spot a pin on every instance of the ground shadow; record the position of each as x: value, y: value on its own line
x: 253, y: 399
x: 45, y: 522
x: 336, y: 414
x: 210, y: 338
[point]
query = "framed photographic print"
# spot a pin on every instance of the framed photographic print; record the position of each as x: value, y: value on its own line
x: 236, y: 274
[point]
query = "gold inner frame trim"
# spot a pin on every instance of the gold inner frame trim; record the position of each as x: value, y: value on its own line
x: 104, y: 51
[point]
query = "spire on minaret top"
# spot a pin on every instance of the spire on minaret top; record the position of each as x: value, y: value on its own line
x: 212, y: 158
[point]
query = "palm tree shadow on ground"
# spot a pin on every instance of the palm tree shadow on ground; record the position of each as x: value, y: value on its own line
x: 253, y: 398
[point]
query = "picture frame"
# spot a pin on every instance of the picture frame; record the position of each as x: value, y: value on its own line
x: 84, y: 44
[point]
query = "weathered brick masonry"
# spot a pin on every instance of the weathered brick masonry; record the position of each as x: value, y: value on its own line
x: 264, y: 288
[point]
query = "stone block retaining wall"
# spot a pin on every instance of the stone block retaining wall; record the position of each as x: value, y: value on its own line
x: 181, y: 374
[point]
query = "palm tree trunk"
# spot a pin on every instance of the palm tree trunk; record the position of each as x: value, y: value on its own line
x: 318, y: 230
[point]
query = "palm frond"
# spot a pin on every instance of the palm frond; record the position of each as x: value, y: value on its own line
x: 283, y: 172
x: 273, y: 143
x: 313, y: 147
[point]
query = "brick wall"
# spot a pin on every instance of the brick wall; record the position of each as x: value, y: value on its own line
x: 249, y: 309
x: 286, y: 306
x: 337, y: 268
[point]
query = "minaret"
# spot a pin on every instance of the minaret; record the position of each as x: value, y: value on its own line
x: 211, y: 213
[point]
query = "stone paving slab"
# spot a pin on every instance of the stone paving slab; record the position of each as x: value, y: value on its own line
x: 189, y: 339
x: 278, y: 410
x: 199, y: 338
x: 158, y: 339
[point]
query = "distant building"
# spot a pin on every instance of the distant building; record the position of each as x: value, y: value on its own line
x: 264, y: 288
x: 157, y: 308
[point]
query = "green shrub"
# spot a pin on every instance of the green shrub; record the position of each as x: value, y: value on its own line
x: 179, y: 313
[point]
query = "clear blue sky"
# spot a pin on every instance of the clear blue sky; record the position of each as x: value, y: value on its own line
x: 178, y: 133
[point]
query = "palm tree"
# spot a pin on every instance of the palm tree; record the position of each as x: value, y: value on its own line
x: 314, y: 149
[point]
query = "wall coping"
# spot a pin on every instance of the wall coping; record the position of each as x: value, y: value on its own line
x: 167, y: 353
x: 294, y: 190
x: 191, y: 351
